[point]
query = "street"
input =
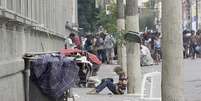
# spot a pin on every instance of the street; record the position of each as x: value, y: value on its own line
x: 192, y: 83
x: 192, y: 80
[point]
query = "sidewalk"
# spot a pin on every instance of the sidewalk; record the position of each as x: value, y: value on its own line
x: 107, y: 71
x: 192, y: 83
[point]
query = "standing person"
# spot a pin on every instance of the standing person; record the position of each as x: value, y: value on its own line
x: 186, y: 43
x: 100, y: 48
x: 194, y: 44
x: 116, y: 88
x: 157, y: 47
x: 94, y: 48
x: 83, y: 41
x: 198, y: 47
x: 89, y: 44
x: 68, y: 43
x: 76, y: 40
x: 109, y: 47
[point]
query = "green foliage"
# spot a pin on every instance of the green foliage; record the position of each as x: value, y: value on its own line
x: 150, y: 4
x: 90, y: 17
x: 109, y: 22
x: 147, y: 15
x: 119, y: 36
x: 147, y: 19
x: 87, y: 15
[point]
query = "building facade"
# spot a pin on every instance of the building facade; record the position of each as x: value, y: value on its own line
x: 199, y: 13
x: 30, y: 26
x: 191, y: 14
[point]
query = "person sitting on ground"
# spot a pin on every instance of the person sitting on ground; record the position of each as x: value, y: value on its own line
x: 116, y: 88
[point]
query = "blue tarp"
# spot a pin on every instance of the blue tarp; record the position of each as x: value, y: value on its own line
x: 54, y: 74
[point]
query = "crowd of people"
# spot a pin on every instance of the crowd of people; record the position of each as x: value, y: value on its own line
x: 102, y: 44
x: 150, y: 48
x: 192, y: 44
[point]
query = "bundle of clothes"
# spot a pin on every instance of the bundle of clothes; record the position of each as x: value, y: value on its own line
x: 56, y: 73
x: 145, y: 57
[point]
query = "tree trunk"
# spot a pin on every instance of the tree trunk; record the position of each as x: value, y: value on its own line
x: 172, y: 66
x: 133, y: 49
x: 121, y: 27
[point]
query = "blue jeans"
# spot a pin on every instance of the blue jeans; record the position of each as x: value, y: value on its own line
x: 101, y: 54
x: 107, y: 83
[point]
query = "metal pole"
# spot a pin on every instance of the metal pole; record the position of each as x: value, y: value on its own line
x: 26, y: 78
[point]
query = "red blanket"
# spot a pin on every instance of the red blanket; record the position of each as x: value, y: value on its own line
x: 91, y: 57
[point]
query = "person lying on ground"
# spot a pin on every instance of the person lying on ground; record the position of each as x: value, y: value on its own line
x: 116, y: 88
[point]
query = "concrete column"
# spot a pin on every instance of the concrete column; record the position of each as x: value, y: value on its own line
x: 56, y: 15
x: 23, y: 7
x: 37, y: 11
x: 14, y: 42
x: 63, y: 15
x: 59, y: 14
x: 33, y: 9
x: 53, y: 16
x: 21, y: 38
x: 3, y: 43
x: 4, y: 3
x: 27, y: 38
x: 9, y: 4
x: 42, y: 11
x: 132, y: 48
x: 172, y: 49
x: 76, y: 12
x: 14, y: 4
x: 121, y: 27
x: 26, y: 6
x: 48, y: 13
x: 29, y: 9
x: 45, y: 12
x: 9, y: 40
x: 18, y: 4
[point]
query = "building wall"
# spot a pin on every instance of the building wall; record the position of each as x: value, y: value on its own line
x: 28, y: 26
x: 199, y: 14
x: 186, y: 14
x: 189, y: 14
